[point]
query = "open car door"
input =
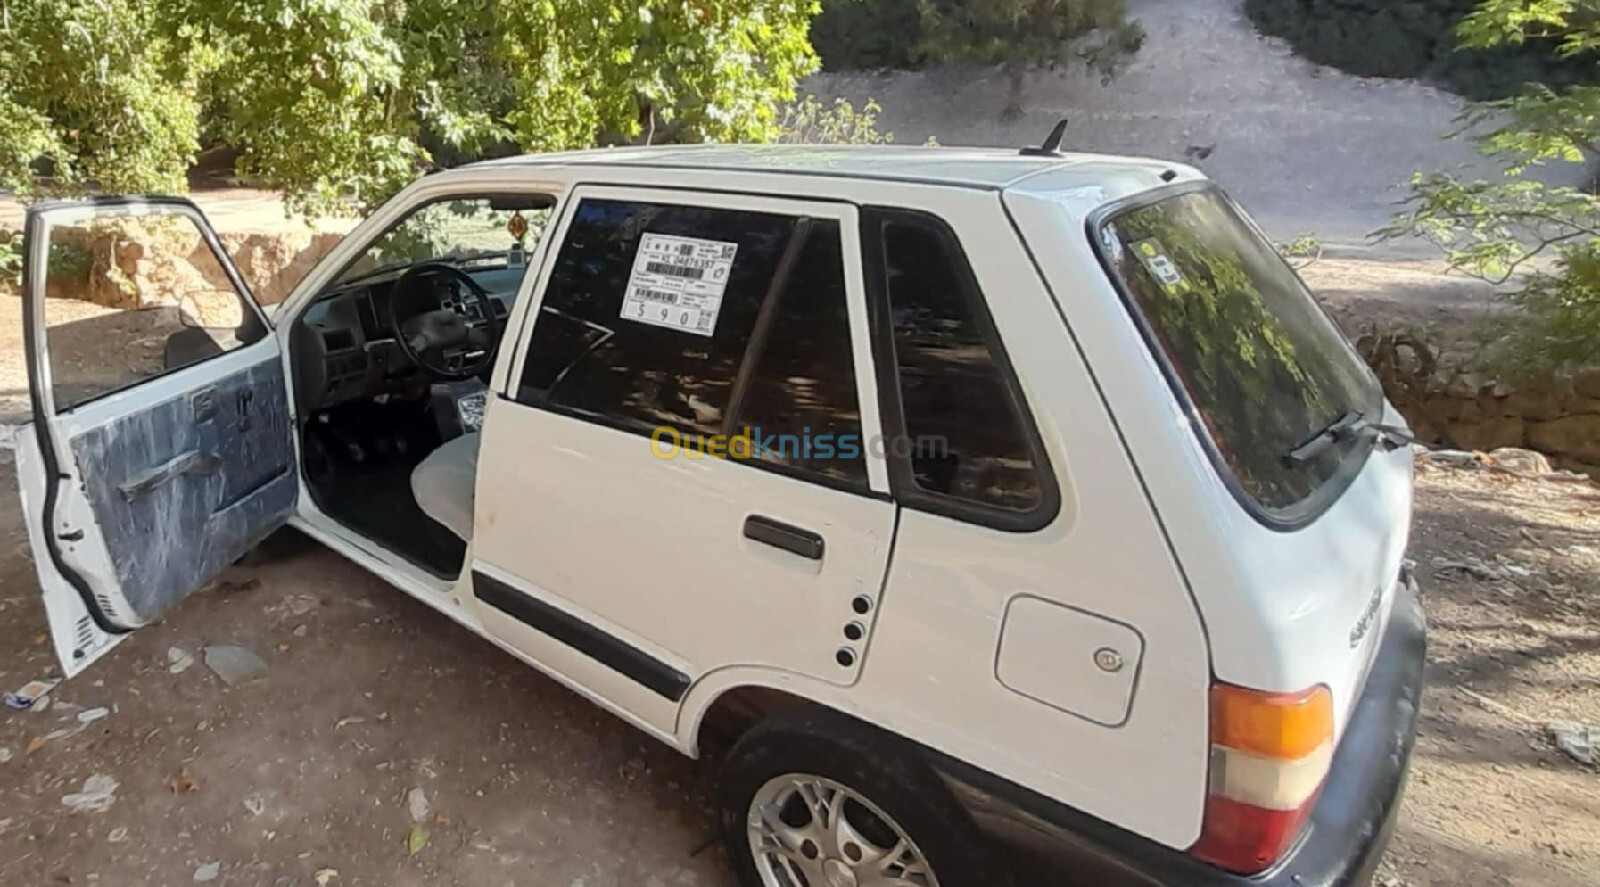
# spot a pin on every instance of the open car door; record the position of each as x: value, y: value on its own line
x: 159, y: 450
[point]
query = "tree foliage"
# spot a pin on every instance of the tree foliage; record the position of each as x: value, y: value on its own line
x: 338, y: 102
x: 1415, y: 38
x: 1543, y: 239
x: 913, y: 33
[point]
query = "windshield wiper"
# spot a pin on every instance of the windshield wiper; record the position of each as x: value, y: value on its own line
x: 1352, y: 426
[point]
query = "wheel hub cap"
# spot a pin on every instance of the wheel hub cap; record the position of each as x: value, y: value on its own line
x: 839, y: 874
x: 809, y: 831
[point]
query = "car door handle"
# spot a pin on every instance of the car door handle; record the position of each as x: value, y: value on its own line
x: 790, y: 538
x: 191, y: 462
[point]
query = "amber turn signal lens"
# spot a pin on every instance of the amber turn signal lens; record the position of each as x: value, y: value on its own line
x: 1286, y: 726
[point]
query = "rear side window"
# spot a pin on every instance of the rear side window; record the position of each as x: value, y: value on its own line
x: 1263, y: 367
x: 966, y: 434
x: 709, y: 322
x: 801, y: 409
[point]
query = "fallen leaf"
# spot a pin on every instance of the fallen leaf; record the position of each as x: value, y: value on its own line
x: 323, y: 876
x: 183, y: 783
x: 417, y: 840
x: 35, y: 744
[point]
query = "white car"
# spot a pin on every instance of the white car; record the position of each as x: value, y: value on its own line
x: 975, y: 506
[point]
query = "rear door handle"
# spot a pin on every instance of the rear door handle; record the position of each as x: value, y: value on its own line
x: 790, y: 538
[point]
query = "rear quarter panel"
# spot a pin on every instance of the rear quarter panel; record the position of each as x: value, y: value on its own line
x: 932, y: 671
x: 1281, y: 607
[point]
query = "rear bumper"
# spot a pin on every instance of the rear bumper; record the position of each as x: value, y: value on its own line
x: 1349, y: 828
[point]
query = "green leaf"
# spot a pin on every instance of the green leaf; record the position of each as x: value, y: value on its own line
x: 417, y: 840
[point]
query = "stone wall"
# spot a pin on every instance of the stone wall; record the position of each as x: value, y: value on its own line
x: 129, y: 265
x: 1454, y: 406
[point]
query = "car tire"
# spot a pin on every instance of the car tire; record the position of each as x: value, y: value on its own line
x: 881, y: 783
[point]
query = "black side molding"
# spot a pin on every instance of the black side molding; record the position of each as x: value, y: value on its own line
x: 620, y: 656
x: 790, y: 538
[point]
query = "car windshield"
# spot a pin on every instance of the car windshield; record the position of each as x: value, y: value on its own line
x: 479, y: 229
x: 1262, y: 365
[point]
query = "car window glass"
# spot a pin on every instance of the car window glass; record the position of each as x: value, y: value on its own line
x: 1264, y: 367
x: 965, y: 438
x: 639, y: 351
x: 131, y: 298
x: 471, y: 232
x: 802, y: 410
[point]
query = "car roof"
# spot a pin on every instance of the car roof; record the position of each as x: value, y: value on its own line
x: 984, y: 168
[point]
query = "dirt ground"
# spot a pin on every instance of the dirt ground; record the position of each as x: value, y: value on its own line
x: 369, y: 695
x: 1511, y: 577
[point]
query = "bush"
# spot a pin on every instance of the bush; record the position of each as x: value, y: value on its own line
x: 868, y: 34
x: 810, y: 122
x: 10, y: 258
x: 902, y: 34
x: 1541, y: 239
x: 1414, y: 38
x: 337, y: 102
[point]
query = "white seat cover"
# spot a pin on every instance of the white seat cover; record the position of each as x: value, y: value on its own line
x: 443, y: 484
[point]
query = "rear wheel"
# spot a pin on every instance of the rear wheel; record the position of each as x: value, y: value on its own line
x: 814, y: 800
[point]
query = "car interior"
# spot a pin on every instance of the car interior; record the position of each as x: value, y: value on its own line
x: 391, y: 366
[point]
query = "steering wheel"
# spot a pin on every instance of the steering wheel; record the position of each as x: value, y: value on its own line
x: 442, y: 341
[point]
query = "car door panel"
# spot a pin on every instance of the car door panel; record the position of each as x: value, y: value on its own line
x: 141, y: 481
x: 684, y: 564
x: 214, y: 464
x: 671, y: 558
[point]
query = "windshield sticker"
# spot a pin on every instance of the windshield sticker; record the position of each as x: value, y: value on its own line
x: 678, y: 283
x: 1155, y: 260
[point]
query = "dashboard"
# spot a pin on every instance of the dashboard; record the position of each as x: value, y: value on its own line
x: 344, y: 350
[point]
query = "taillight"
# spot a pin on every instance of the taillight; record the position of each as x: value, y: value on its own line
x: 1270, y: 753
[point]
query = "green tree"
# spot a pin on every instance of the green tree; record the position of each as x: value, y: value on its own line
x: 94, y: 89
x: 1543, y: 239
x: 1014, y: 33
x: 339, y: 102
x: 1414, y: 39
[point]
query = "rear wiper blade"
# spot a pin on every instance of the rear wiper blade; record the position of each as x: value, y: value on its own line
x: 1349, y: 427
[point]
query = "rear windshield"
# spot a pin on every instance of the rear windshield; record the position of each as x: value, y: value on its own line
x: 1263, y: 367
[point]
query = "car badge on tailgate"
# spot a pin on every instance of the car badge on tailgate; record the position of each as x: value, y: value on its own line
x: 1369, y: 615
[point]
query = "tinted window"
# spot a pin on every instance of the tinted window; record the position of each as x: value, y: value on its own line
x: 595, y: 355
x: 619, y: 342
x: 804, y: 386
x: 965, y: 435
x: 1264, y: 367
